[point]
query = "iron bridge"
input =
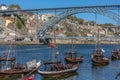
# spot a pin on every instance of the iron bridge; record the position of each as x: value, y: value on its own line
x: 61, y: 13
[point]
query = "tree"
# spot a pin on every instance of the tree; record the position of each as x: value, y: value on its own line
x: 80, y: 21
x: 19, y: 23
x: 1, y: 29
x: 92, y: 23
x: 68, y: 33
x: 14, y: 7
x: 108, y: 24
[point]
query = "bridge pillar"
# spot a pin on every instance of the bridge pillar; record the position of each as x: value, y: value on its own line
x: 117, y: 30
x: 106, y: 31
x: 114, y: 30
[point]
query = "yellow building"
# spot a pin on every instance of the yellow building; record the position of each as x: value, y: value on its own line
x: 8, y: 21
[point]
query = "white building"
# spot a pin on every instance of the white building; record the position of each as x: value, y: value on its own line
x: 44, y: 18
x: 3, y: 7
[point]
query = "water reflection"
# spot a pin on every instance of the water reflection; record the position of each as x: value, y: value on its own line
x: 116, y: 68
x: 86, y: 71
x: 117, y: 76
x: 97, y: 73
x: 109, y: 72
x: 71, y: 76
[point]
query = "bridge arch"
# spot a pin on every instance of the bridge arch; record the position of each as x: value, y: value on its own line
x: 56, y: 19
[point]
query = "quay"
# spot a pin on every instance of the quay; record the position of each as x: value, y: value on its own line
x: 64, y: 41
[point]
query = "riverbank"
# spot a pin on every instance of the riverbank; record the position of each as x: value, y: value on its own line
x: 58, y: 42
x: 83, y: 42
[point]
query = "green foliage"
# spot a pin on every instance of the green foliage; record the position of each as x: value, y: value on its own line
x: 108, y: 24
x: 1, y: 28
x: 86, y: 30
x: 69, y: 17
x: 14, y: 7
x: 19, y: 24
x: 80, y: 21
x: 57, y: 29
x: 74, y: 18
x: 68, y: 33
x: 92, y: 23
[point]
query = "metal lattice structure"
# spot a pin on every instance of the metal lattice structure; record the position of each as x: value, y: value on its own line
x: 105, y: 10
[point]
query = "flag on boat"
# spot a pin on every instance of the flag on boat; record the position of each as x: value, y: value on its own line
x: 103, y: 50
x: 31, y: 64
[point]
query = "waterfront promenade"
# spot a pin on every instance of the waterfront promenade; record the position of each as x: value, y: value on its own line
x: 65, y: 41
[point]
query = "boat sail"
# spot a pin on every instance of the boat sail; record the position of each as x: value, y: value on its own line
x: 97, y: 56
x: 71, y: 56
x: 55, y: 68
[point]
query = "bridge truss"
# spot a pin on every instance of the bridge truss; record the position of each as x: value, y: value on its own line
x: 61, y: 13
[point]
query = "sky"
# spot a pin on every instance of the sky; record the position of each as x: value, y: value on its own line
x: 35, y: 4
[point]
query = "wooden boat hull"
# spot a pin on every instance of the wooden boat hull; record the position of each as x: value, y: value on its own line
x: 64, y: 77
x: 11, y: 72
x: 19, y: 71
x: 10, y: 77
x: 104, y: 61
x: 69, y: 60
x: 100, y: 63
x: 5, y: 59
x: 115, y: 57
x: 99, y: 60
x: 54, y: 74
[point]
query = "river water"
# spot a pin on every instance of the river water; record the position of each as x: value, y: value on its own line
x: 85, y: 72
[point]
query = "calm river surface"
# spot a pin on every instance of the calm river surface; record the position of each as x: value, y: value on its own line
x: 85, y: 72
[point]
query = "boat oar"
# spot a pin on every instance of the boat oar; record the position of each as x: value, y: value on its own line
x: 32, y: 71
x: 29, y: 73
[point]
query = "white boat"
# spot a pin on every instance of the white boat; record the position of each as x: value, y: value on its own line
x: 59, y: 73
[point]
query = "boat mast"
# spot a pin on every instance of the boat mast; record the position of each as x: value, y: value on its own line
x: 55, y: 50
x: 8, y: 55
x: 98, y: 36
x: 72, y: 54
x: 117, y: 34
x: 72, y: 45
x: 118, y: 27
x: 14, y: 45
x: 98, y: 43
x: 54, y: 39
